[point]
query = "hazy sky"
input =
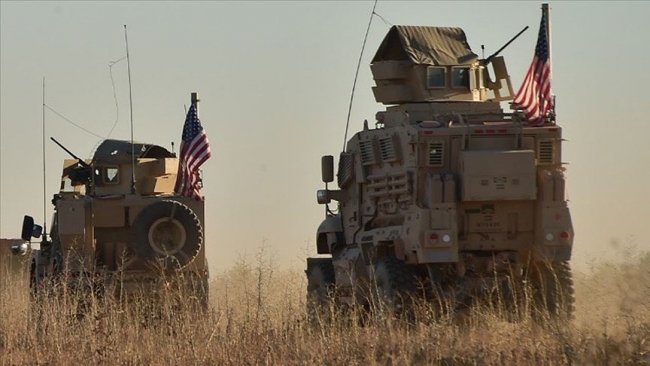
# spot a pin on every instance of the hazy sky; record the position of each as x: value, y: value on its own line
x: 274, y: 80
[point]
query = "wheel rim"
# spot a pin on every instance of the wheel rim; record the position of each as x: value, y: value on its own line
x: 167, y: 236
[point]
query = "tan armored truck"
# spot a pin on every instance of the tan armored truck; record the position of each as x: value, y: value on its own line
x: 447, y: 196
x: 119, y: 225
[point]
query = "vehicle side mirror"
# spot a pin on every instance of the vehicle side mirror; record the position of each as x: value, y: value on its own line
x: 30, y: 229
x: 327, y: 168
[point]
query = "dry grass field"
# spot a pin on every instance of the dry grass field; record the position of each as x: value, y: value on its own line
x: 258, y: 318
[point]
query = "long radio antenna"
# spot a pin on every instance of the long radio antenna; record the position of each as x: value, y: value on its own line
x: 354, y: 84
x: 44, y: 176
x: 128, y: 67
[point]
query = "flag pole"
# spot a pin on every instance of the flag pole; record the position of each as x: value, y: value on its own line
x: 44, y: 175
x: 546, y: 13
x: 128, y: 67
x: 194, y: 100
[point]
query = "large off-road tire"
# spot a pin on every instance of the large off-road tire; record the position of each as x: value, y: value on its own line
x: 167, y: 234
x: 320, y: 289
x: 394, y: 286
x: 552, y: 289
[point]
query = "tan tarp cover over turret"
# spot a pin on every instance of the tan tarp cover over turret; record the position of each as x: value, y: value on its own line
x: 426, y: 46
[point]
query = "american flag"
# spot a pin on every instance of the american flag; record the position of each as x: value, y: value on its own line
x: 195, y: 150
x: 534, y: 96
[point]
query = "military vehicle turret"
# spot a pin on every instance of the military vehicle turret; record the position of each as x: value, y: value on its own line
x: 447, y: 196
x: 119, y: 225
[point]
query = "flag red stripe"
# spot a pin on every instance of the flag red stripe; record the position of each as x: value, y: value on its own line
x: 534, y: 96
x: 194, y: 151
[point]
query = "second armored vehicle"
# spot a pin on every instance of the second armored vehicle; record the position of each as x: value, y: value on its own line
x: 119, y: 225
x: 447, y: 197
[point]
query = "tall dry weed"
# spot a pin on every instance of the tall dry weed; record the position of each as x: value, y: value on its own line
x: 258, y: 318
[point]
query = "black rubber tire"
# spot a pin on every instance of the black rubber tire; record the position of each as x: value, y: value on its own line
x: 320, y: 288
x: 395, y: 286
x: 178, y: 215
x: 553, y: 292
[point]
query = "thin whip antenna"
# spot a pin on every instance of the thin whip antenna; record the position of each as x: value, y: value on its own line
x: 44, y: 184
x: 117, y: 106
x: 347, y: 123
x: 384, y: 19
x: 73, y: 123
x: 128, y: 67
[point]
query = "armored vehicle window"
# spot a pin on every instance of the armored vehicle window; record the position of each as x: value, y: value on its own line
x: 110, y: 175
x: 66, y: 186
x: 436, y: 77
x: 460, y: 77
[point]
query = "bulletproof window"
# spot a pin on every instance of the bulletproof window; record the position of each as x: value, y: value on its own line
x: 460, y: 77
x: 66, y: 185
x: 111, y: 175
x: 436, y: 77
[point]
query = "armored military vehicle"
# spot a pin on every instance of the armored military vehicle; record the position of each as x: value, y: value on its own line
x: 119, y: 226
x: 447, y: 197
